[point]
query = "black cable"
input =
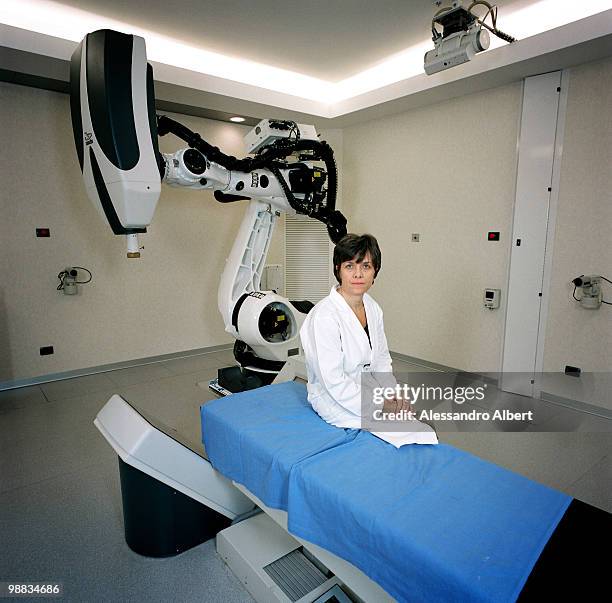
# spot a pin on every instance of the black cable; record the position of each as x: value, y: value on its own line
x: 86, y: 270
x: 65, y: 273
x: 294, y: 134
x: 497, y: 32
x: 293, y: 202
x: 608, y: 281
x: 269, y: 155
x: 167, y: 125
x: 269, y: 158
x: 602, y: 301
x: 491, y: 10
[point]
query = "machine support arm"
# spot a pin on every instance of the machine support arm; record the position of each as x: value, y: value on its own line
x: 318, y: 205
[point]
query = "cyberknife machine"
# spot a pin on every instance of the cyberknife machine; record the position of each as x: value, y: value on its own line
x: 116, y: 131
x: 172, y: 497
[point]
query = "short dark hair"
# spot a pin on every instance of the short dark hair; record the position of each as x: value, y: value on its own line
x: 355, y: 247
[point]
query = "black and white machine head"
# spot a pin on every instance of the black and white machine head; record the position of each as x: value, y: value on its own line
x: 115, y: 131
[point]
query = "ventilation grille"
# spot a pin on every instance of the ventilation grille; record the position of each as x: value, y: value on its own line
x: 295, y: 574
x: 307, y: 259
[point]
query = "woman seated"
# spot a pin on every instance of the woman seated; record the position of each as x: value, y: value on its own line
x: 343, y: 338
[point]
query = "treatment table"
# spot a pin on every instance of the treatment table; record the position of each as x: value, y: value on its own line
x: 427, y: 523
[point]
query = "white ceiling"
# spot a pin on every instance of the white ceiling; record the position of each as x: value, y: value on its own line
x: 343, y: 61
x: 327, y: 39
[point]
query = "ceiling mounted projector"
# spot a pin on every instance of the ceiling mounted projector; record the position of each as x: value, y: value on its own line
x: 463, y: 35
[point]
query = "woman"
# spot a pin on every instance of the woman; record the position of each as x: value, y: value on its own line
x: 343, y: 336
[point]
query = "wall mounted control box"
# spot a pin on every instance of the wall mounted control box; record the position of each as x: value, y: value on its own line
x: 491, y: 298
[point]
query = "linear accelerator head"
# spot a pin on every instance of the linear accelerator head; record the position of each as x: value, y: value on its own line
x: 112, y: 104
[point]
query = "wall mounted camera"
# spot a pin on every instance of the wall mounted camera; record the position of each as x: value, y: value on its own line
x: 69, y: 280
x: 463, y: 34
x: 592, y: 296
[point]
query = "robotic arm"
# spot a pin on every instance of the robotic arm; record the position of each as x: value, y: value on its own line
x: 116, y: 130
x: 271, y: 183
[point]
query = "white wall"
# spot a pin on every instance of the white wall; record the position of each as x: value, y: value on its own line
x: 163, y: 303
x: 446, y: 172
x: 583, y: 238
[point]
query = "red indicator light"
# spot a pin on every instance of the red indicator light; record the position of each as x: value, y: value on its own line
x: 493, y: 236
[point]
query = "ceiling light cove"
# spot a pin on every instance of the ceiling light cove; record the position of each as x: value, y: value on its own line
x: 60, y: 21
x: 68, y: 23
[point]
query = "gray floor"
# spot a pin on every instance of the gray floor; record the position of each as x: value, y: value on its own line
x: 60, y: 502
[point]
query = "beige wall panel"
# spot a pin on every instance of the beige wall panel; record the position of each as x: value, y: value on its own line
x: 163, y: 303
x: 583, y: 237
x: 446, y: 172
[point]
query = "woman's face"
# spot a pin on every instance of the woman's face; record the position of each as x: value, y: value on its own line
x: 357, y: 277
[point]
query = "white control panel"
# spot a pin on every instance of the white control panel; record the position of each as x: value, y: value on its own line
x: 269, y: 130
x: 491, y: 298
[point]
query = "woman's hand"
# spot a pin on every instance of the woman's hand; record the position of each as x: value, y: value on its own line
x: 397, y: 405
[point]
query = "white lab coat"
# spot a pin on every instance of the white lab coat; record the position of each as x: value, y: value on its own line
x: 338, y: 352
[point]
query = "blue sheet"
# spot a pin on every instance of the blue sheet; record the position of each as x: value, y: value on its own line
x: 428, y: 523
x: 257, y: 436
